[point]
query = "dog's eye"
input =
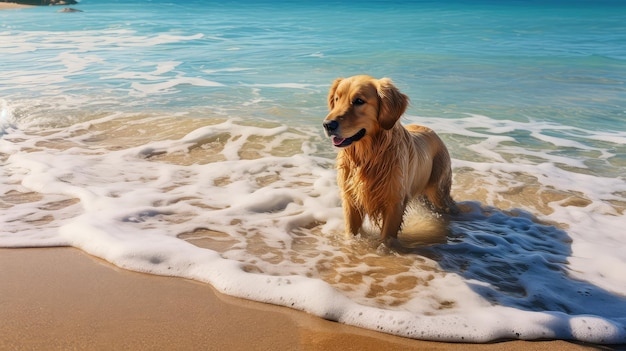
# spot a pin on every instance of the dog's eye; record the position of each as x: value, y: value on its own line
x: 357, y: 102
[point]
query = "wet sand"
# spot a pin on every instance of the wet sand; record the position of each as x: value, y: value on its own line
x: 62, y: 298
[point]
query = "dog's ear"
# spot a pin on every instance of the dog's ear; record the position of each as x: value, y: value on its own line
x: 331, y: 93
x: 392, y: 103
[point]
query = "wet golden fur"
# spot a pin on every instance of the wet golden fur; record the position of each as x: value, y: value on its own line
x: 384, y: 165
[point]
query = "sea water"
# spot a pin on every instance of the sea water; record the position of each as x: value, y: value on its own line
x: 184, y: 139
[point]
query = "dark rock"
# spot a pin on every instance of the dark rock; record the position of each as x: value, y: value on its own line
x: 69, y: 9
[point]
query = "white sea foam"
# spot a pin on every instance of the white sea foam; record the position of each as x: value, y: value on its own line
x: 231, y: 70
x: 160, y: 88
x: 6, y: 115
x: 586, y: 224
x: 159, y: 69
x: 94, y: 56
x: 254, y: 211
x: 77, y: 63
x: 283, y: 85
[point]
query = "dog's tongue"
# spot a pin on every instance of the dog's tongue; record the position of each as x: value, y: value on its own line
x: 337, y: 140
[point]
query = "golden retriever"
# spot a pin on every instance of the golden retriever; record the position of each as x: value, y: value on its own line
x: 381, y: 165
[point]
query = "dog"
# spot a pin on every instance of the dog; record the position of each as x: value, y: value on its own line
x: 381, y: 165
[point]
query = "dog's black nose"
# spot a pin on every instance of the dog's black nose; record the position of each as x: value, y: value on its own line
x: 331, y: 126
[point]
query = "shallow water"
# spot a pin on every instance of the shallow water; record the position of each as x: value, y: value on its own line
x: 186, y: 141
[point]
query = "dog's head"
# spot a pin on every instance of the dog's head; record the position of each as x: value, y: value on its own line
x: 361, y: 106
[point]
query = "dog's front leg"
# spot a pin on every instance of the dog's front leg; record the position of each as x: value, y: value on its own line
x: 353, y: 218
x: 392, y: 221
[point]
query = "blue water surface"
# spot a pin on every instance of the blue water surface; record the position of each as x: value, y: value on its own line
x: 559, y: 61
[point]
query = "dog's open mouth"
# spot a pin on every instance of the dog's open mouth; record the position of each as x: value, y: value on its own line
x: 343, y: 142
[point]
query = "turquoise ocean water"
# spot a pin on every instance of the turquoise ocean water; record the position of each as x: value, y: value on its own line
x: 184, y: 138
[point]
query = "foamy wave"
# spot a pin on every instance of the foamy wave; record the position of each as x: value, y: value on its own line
x: 254, y: 210
x: 86, y: 40
x: 159, y: 88
x: 6, y: 115
x: 283, y: 85
x: 87, y: 56
x: 572, y: 182
x: 232, y: 69
x: 77, y: 63
x: 160, y: 68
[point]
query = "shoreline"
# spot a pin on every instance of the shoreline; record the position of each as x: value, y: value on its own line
x: 13, y: 6
x: 61, y: 298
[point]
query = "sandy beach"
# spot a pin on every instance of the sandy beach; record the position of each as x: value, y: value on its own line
x: 61, y: 298
x: 12, y: 5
